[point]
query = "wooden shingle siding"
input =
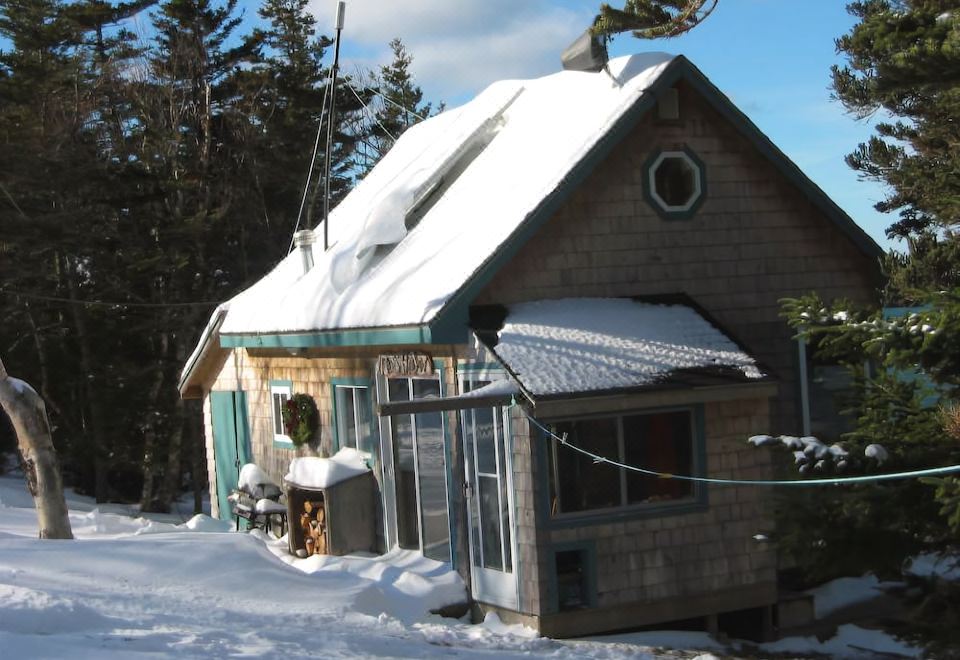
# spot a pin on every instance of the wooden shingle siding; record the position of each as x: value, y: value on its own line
x: 688, y: 555
x: 525, y: 490
x: 755, y: 240
x: 253, y: 374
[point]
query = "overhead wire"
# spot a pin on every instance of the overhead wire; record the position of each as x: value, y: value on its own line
x: 910, y: 474
x: 372, y: 115
x: 394, y: 103
x: 313, y: 160
x: 104, y: 303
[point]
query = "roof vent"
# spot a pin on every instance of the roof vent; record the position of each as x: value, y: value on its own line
x: 304, y: 239
x: 587, y: 53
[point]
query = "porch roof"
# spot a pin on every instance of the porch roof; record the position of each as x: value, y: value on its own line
x: 593, y: 346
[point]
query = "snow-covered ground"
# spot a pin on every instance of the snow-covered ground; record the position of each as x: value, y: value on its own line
x: 131, y: 587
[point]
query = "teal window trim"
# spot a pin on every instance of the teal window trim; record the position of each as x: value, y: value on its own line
x: 334, y: 422
x: 277, y: 442
x: 588, y: 548
x: 648, y: 193
x: 696, y: 504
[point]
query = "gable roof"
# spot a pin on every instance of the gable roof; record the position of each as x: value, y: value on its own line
x: 540, y: 130
x: 523, y: 147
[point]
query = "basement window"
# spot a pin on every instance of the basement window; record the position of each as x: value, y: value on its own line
x: 575, y: 575
x: 674, y: 183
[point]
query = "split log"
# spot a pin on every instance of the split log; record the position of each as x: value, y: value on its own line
x: 27, y: 412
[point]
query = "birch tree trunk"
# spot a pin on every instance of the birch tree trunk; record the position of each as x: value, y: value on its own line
x: 29, y: 417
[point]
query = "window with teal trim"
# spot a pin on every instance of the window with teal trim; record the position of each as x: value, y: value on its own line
x: 356, y: 426
x: 674, y: 183
x: 658, y: 441
x: 280, y: 393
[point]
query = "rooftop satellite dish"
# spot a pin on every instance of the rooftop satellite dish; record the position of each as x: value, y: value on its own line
x: 587, y: 53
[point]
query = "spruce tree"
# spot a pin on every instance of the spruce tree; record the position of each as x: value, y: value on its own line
x: 903, y: 62
x: 652, y: 19
x: 291, y: 94
x: 57, y: 217
x: 398, y: 101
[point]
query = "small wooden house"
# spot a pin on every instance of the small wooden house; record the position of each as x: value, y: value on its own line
x: 563, y: 274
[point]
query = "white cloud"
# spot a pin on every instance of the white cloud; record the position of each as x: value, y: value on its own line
x: 459, y: 46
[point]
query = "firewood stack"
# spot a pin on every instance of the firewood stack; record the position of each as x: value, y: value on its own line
x: 314, y: 525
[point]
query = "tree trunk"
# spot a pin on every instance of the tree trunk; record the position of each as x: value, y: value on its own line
x: 95, y: 434
x: 169, y: 489
x: 29, y: 417
x: 150, y: 464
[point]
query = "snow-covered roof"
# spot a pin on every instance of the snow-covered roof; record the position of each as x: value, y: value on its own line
x: 455, y: 196
x: 577, y: 345
x: 529, y: 135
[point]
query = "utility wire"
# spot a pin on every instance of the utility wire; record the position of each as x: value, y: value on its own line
x: 394, y: 103
x: 103, y: 303
x: 372, y: 115
x: 746, y: 482
x: 313, y: 160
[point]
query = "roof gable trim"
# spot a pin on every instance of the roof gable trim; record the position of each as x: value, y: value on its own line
x: 331, y: 339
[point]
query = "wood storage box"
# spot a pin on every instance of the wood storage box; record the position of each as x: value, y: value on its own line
x: 343, y: 514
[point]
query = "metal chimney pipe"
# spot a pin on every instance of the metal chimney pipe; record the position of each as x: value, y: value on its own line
x: 304, y: 240
x: 587, y: 53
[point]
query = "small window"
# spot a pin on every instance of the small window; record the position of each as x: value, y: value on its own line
x: 280, y: 393
x: 356, y: 427
x: 674, y: 183
x: 663, y: 442
x: 571, y: 577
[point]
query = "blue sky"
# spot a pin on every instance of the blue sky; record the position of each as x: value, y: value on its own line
x: 771, y: 57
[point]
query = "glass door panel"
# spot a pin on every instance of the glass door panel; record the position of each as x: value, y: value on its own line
x: 405, y: 476
x: 486, y: 465
x: 431, y: 474
x: 420, y: 471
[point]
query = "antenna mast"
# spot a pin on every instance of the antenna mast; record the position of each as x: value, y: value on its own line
x: 341, y: 11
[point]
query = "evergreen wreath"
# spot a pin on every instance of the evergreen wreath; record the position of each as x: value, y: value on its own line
x: 300, y: 418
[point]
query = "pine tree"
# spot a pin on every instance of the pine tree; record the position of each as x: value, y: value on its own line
x: 902, y: 60
x: 188, y: 216
x: 290, y: 88
x: 652, y: 19
x: 57, y: 213
x: 398, y: 101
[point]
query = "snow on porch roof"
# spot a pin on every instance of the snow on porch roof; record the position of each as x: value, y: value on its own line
x: 376, y: 274
x: 579, y: 345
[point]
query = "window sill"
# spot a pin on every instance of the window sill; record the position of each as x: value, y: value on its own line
x: 697, y: 504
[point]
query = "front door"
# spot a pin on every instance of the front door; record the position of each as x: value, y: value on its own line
x: 488, y: 469
x: 419, y: 473
x: 231, y: 443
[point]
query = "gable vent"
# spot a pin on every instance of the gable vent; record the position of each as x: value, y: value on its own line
x: 668, y: 104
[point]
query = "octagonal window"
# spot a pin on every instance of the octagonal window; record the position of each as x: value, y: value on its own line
x: 675, y: 183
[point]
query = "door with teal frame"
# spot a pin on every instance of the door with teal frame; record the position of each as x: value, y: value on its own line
x: 231, y: 443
